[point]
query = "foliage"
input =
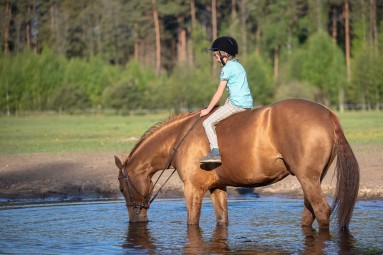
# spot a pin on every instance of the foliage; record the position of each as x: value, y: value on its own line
x: 320, y: 64
x: 295, y: 89
x: 190, y: 88
x: 368, y: 78
x: 259, y: 76
x: 72, y: 55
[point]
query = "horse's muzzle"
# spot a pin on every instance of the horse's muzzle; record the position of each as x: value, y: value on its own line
x: 137, y: 216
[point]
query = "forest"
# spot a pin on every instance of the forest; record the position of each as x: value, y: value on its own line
x: 131, y: 55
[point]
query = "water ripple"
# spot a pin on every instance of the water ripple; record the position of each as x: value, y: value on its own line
x: 257, y: 225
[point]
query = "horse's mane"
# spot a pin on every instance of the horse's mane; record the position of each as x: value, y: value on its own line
x: 158, y: 125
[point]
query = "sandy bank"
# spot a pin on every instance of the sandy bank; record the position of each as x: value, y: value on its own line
x: 94, y: 175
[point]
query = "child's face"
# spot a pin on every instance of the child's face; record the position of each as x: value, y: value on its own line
x: 217, y: 58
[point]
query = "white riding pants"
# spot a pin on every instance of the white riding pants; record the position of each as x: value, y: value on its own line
x: 221, y: 113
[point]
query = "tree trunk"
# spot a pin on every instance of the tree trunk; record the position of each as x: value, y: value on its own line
x: 182, y: 50
x: 214, y: 18
x: 334, y: 40
x: 233, y: 10
x: 347, y: 38
x: 374, y: 28
x: 244, y: 15
x: 258, y: 41
x: 136, y: 43
x: 7, y: 15
x: 318, y: 9
x: 158, y: 37
x: 276, y: 62
x: 190, y: 40
x: 334, y: 25
x: 374, y: 42
x: 192, y: 13
x: 52, y: 20
x: 28, y: 28
x: 341, y: 99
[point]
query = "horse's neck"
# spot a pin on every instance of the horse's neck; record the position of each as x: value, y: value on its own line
x: 156, y: 150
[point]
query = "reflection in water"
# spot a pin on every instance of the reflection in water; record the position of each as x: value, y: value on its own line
x: 139, y: 237
x: 257, y: 226
x: 315, y: 242
x: 139, y: 240
x: 197, y: 245
x: 346, y: 242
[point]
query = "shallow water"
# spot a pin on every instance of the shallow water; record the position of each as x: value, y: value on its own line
x: 257, y: 225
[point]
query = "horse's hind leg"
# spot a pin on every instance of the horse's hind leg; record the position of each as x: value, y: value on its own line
x: 316, y: 204
x: 308, y: 216
x: 219, y: 198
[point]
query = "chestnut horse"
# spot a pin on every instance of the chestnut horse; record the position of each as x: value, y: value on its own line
x: 259, y: 147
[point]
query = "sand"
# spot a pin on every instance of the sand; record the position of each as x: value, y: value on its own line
x: 77, y: 176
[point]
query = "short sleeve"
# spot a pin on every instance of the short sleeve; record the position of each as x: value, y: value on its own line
x: 225, y: 74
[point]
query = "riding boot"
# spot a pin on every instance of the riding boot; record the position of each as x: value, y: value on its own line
x: 214, y: 156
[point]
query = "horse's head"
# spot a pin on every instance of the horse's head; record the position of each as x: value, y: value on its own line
x: 136, y: 188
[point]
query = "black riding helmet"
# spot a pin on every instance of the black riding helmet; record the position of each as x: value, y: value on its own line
x: 225, y: 43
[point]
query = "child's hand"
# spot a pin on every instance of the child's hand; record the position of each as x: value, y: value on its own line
x: 204, y: 112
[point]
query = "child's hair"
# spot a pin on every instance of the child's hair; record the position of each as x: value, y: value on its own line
x: 227, y: 55
x: 230, y: 57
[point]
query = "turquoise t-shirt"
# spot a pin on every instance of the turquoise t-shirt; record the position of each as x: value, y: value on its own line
x: 237, y: 85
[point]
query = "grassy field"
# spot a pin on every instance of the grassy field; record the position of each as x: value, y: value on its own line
x: 363, y: 127
x: 98, y: 133
x: 73, y: 133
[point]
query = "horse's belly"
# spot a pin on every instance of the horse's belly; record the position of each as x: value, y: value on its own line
x: 261, y: 180
x: 256, y: 176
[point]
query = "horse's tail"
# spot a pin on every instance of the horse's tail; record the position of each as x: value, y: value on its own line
x: 347, y: 175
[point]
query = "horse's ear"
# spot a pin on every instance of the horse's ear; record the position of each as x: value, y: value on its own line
x: 118, y: 163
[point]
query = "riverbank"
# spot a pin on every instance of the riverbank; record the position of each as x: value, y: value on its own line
x: 77, y: 176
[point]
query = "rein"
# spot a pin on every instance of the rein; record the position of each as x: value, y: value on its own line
x: 150, y: 197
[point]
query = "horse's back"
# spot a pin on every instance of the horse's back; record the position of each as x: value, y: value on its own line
x: 290, y: 119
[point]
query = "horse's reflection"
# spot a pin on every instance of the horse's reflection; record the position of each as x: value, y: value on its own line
x: 197, y: 244
x: 317, y: 241
x: 139, y: 237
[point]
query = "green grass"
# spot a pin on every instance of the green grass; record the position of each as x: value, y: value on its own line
x: 73, y: 133
x: 101, y: 133
x: 363, y: 127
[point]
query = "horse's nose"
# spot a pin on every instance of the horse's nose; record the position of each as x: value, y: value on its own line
x: 135, y: 217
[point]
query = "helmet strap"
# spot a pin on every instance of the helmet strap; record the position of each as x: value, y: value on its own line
x: 221, y: 58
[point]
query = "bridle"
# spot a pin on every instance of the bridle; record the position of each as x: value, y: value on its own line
x: 136, y: 207
x: 147, y: 200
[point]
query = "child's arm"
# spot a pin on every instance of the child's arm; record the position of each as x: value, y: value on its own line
x: 217, y: 96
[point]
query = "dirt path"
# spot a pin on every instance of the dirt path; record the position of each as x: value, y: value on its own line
x: 94, y: 175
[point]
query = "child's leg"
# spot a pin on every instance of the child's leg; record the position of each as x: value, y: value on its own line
x: 220, y: 114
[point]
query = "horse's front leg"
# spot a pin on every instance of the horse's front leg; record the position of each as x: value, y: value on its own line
x: 219, y: 198
x: 193, y: 198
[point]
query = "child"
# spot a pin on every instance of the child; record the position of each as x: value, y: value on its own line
x: 233, y: 78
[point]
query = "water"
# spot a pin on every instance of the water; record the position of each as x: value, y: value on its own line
x: 257, y: 225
